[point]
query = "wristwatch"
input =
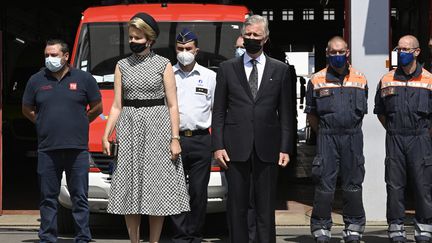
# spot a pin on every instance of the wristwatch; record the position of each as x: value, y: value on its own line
x: 176, y: 137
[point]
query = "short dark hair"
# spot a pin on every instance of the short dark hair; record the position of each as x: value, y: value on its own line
x: 196, y: 42
x: 62, y: 43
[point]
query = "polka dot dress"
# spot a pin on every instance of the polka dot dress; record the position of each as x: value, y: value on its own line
x: 146, y: 180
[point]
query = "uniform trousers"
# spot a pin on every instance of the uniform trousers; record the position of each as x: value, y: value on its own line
x: 196, y: 158
x: 409, y: 154
x: 338, y: 154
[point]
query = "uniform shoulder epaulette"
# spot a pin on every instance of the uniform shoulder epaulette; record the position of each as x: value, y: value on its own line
x: 360, y: 74
x: 321, y: 73
x: 426, y: 74
x: 386, y: 78
x: 357, y: 72
x: 389, y: 74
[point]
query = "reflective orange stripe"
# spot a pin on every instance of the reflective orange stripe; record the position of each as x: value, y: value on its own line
x: 424, y: 80
x: 354, y: 79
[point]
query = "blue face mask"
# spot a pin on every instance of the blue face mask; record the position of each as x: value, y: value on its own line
x: 239, y: 51
x: 405, y: 58
x: 337, y: 61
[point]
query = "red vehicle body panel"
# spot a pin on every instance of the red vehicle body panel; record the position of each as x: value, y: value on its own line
x: 172, y: 12
x: 168, y: 13
x: 97, y: 127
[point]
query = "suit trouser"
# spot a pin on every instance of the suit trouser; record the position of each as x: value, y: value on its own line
x: 409, y: 154
x: 264, y: 177
x: 251, y: 215
x: 196, y: 157
x: 51, y: 164
x: 338, y: 154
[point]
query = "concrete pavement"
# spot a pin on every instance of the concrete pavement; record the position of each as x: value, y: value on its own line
x: 292, y: 227
x: 298, y: 214
x: 284, y: 234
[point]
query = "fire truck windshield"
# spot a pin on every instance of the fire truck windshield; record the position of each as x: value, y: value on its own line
x: 101, y: 45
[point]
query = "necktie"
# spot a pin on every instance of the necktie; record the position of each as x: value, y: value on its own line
x: 253, y: 78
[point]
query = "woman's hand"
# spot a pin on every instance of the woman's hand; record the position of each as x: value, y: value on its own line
x: 175, y: 149
x: 106, y: 146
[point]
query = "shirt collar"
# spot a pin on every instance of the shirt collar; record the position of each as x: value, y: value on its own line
x: 402, y: 76
x: 332, y: 75
x: 261, y: 58
x: 197, y: 68
x: 48, y: 73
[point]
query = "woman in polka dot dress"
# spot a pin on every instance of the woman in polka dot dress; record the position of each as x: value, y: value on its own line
x: 149, y: 177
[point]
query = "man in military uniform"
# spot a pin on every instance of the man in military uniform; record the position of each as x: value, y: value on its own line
x: 336, y: 102
x: 195, y: 91
x: 403, y: 105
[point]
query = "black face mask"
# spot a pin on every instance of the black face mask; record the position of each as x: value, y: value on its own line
x: 137, y: 47
x: 252, y: 46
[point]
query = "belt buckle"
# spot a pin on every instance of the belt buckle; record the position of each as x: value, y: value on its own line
x: 188, y: 133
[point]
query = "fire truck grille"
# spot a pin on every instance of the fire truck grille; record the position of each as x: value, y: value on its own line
x: 102, y: 161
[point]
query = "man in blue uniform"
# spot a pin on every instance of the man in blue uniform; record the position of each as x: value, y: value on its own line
x: 56, y: 100
x: 403, y: 103
x: 195, y: 94
x: 336, y: 102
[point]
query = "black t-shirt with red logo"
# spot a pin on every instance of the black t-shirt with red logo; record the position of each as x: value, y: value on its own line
x: 61, y: 107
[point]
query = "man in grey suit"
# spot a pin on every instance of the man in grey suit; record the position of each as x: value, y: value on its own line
x: 252, y: 130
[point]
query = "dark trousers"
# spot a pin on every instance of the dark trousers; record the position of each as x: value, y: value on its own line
x: 409, y: 154
x: 51, y: 165
x: 196, y: 157
x: 252, y: 215
x: 263, y: 176
x: 338, y: 155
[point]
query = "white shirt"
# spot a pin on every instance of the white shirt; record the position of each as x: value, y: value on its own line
x: 260, y: 66
x: 195, y: 95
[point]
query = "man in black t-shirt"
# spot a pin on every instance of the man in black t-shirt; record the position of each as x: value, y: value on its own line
x: 56, y: 100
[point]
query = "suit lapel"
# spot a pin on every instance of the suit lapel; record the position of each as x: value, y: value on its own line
x: 241, y: 74
x: 268, y: 71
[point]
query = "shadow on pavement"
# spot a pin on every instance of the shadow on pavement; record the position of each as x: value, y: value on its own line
x: 58, y: 241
